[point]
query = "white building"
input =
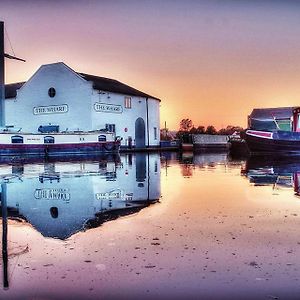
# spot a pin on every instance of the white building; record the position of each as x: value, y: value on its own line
x: 57, y: 95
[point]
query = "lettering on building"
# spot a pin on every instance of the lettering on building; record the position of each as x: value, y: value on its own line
x: 52, y: 194
x: 111, y: 195
x: 109, y: 108
x: 51, y: 109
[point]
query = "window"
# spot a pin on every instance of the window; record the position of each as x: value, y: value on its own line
x: 155, y: 133
x: 17, y: 139
x: 51, y: 92
x: 127, y: 102
x: 48, y: 140
x: 110, y: 127
x: 284, y: 124
x: 102, y: 138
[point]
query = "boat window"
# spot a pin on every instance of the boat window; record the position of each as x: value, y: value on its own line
x: 48, y: 140
x: 284, y: 124
x: 102, y: 138
x: 17, y: 139
x: 264, y: 125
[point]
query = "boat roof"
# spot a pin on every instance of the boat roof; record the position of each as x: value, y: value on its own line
x: 271, y: 113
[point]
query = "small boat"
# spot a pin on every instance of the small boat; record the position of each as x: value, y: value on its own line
x: 210, y: 142
x: 276, y: 132
x: 48, y: 141
x: 238, y: 147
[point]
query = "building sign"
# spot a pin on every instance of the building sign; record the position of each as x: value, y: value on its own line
x: 109, y: 108
x: 111, y: 195
x: 52, y: 194
x: 51, y: 109
x: 114, y: 195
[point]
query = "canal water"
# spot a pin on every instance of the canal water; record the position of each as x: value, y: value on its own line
x: 163, y: 226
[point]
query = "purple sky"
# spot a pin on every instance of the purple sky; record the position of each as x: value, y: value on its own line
x: 211, y: 61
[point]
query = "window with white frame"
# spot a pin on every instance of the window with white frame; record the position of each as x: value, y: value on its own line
x: 127, y: 102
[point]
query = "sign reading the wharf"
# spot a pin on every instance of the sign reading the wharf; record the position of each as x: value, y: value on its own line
x: 114, y: 194
x: 51, y: 109
x: 52, y: 194
x: 110, y: 108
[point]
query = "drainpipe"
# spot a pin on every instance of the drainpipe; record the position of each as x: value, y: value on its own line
x: 2, y: 86
x: 147, y: 109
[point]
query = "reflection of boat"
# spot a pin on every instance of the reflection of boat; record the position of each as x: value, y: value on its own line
x: 49, y: 142
x: 278, y: 173
x: 274, y: 131
x: 59, y: 198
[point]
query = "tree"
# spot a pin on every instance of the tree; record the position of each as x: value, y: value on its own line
x: 186, y: 125
x: 200, y: 129
x: 230, y: 130
x: 210, y: 130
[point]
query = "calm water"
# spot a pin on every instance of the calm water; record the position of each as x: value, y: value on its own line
x: 151, y: 226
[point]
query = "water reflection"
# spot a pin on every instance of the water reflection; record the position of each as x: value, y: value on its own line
x: 273, y: 172
x: 61, y: 198
x: 189, y: 161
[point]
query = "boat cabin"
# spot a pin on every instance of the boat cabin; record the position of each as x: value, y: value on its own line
x: 272, y: 119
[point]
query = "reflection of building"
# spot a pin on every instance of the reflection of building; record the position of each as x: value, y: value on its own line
x: 59, y: 199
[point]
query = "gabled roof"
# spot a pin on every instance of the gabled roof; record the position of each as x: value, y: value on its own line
x: 11, y: 89
x: 270, y: 113
x: 99, y: 83
x: 114, y: 86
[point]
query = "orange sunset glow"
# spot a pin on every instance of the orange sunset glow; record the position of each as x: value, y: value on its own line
x: 210, y: 61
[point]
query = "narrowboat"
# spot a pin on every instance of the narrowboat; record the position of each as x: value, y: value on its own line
x: 274, y: 131
x: 48, y: 141
x: 54, y: 144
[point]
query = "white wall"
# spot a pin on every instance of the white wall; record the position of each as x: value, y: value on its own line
x: 70, y: 88
x: 80, y: 98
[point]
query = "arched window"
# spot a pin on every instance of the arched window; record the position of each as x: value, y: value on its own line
x: 102, y: 138
x: 17, y: 139
x: 48, y: 140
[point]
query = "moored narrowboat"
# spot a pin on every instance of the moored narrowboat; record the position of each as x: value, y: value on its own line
x: 55, y: 144
x: 274, y: 131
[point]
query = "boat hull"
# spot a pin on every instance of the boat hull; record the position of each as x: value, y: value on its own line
x: 279, y: 143
x: 56, y: 150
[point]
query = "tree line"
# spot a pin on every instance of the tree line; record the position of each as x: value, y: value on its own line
x: 187, y: 128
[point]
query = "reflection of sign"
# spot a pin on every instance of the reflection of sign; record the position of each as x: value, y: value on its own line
x: 114, y: 194
x: 52, y: 109
x: 52, y: 194
x: 110, y: 108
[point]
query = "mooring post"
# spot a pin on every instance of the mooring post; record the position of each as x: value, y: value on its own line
x: 2, y: 70
x: 4, y: 235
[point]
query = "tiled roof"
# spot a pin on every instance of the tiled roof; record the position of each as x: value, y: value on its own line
x: 99, y: 83
x: 270, y: 113
x: 11, y: 89
x: 114, y: 86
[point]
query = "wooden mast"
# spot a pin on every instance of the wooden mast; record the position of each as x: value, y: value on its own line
x: 2, y: 124
x: 2, y: 73
x: 2, y: 70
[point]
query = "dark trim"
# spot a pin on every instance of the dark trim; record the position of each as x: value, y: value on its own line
x: 147, y: 120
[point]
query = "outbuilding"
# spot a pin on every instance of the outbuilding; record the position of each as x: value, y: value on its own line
x: 57, y: 97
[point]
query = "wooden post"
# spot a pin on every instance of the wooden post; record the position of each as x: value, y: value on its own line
x: 4, y: 235
x: 2, y: 70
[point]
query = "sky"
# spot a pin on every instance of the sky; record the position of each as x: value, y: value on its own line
x: 210, y: 61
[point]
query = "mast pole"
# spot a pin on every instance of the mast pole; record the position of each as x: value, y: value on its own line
x: 2, y: 70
